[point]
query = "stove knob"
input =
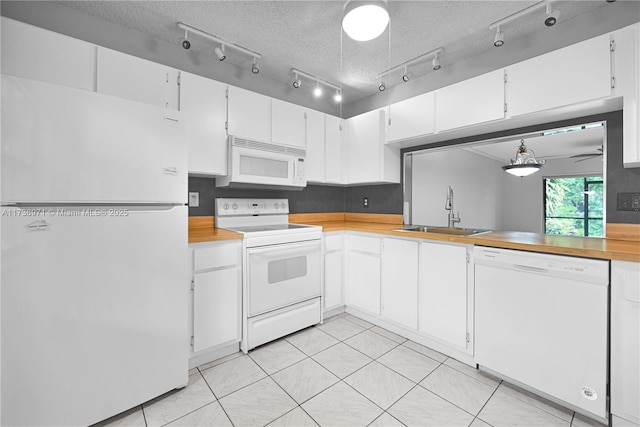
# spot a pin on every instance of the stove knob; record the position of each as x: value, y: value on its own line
x: 275, y: 205
x: 283, y: 206
x: 234, y: 206
x: 225, y: 206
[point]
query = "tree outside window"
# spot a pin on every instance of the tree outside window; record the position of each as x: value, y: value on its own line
x: 574, y: 206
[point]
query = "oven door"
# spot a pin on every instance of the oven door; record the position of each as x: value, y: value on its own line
x: 280, y: 275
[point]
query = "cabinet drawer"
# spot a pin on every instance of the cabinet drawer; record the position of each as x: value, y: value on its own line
x: 365, y: 244
x: 332, y: 243
x: 219, y: 255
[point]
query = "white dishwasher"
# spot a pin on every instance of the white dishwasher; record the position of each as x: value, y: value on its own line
x: 541, y: 321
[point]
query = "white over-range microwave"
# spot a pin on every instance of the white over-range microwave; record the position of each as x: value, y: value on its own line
x: 258, y: 164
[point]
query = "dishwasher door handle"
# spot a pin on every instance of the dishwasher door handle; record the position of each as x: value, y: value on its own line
x: 531, y: 269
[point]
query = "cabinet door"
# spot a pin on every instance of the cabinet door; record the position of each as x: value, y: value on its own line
x: 334, y: 151
x: 333, y: 272
x: 315, y: 146
x: 400, y: 282
x: 39, y: 54
x: 204, y: 103
x: 443, y: 292
x: 249, y: 115
x: 288, y: 124
x: 365, y: 145
x: 411, y: 118
x: 558, y: 78
x: 216, y: 308
x: 129, y: 77
x: 470, y: 102
x: 363, y: 281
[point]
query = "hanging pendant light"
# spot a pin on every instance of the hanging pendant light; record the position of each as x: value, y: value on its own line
x: 365, y: 20
x: 525, y: 162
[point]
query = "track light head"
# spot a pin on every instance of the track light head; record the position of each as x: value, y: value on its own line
x: 184, y: 41
x: 382, y: 87
x: 436, y: 63
x: 499, y: 40
x: 551, y: 18
x: 610, y: 1
x: 254, y: 67
x: 220, y: 53
x: 297, y: 83
x: 338, y: 96
x: 405, y: 78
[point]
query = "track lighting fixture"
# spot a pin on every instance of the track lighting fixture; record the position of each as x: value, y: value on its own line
x: 407, y: 75
x: 219, y: 51
x: 499, y: 40
x: 365, y: 20
x: 552, y: 16
x: 317, y: 91
x: 435, y: 64
x: 610, y: 1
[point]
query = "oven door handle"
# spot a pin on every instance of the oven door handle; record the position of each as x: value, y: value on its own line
x: 287, y: 248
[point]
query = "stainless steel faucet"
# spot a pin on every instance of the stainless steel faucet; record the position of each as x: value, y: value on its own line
x: 451, y: 217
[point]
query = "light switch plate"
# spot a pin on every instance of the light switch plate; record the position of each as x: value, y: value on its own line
x: 194, y: 199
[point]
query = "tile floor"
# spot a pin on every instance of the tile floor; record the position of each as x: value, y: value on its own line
x: 346, y: 372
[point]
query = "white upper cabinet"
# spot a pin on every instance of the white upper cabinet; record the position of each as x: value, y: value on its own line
x: 39, y: 54
x: 411, y: 118
x: 249, y: 115
x: 369, y: 159
x: 626, y: 67
x: 315, y: 138
x: 288, y: 124
x: 137, y: 79
x: 334, y: 151
x: 400, y: 281
x: 204, y: 103
x: 574, y: 74
x: 470, y: 102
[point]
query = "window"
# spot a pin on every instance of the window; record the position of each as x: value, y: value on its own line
x: 574, y: 206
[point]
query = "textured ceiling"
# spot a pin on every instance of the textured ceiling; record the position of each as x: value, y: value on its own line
x: 307, y: 34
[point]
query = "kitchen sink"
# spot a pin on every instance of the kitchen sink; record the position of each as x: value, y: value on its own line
x: 454, y: 231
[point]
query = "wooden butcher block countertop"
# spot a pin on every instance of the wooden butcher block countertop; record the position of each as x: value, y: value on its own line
x: 622, y: 243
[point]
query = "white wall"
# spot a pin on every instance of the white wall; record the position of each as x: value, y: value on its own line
x: 477, y: 186
x: 522, y: 201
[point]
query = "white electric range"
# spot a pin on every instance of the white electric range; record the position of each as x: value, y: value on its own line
x: 282, y: 268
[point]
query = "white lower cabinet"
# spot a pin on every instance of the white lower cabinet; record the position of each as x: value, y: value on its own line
x: 363, y: 273
x: 400, y: 282
x: 216, y: 296
x: 333, y: 271
x: 444, y: 291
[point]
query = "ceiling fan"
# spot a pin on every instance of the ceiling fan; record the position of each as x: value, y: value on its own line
x: 586, y: 156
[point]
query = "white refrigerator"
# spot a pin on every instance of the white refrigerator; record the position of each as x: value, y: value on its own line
x: 94, y: 254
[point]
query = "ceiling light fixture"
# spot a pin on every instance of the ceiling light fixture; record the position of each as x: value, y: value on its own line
x: 550, y: 20
x: 552, y: 16
x: 317, y: 91
x: 219, y: 51
x: 525, y: 162
x: 406, y: 76
x: 382, y: 86
x: 365, y: 20
x: 435, y: 64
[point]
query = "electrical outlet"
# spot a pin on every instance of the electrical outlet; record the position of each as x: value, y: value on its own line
x: 365, y: 202
x: 628, y: 202
x: 194, y: 199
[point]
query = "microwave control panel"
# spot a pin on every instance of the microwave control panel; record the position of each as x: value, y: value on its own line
x: 300, y: 177
x: 233, y: 207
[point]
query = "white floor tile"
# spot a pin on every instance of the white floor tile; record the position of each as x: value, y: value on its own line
x: 409, y: 363
x: 233, y: 375
x: 426, y: 351
x: 304, y: 379
x: 537, y: 401
x: 505, y: 410
x: 479, y: 423
x: 341, y: 329
x: 358, y: 321
x: 371, y: 344
x: 178, y: 403
x: 219, y: 361
x: 340, y: 405
x: 385, y: 420
x: 276, y: 355
x: 472, y: 372
x: 210, y: 415
x: 394, y: 337
x: 379, y: 384
x: 341, y: 360
x: 294, y: 418
x: 460, y: 389
x: 420, y: 407
x: 258, y: 404
x: 312, y: 341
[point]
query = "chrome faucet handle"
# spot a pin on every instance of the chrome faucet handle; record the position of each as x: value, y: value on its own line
x: 455, y: 219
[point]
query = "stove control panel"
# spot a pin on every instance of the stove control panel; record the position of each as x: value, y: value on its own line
x: 233, y: 207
